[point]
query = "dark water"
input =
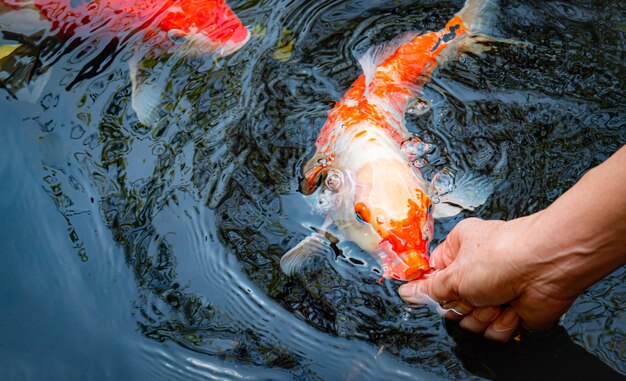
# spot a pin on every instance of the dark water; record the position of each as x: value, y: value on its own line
x: 151, y: 252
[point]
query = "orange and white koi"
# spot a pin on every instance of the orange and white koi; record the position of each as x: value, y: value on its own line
x: 182, y: 28
x: 208, y: 24
x: 362, y: 172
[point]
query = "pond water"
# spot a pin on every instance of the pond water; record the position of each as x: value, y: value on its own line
x: 134, y: 251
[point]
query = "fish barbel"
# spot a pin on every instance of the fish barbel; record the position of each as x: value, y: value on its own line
x: 362, y: 172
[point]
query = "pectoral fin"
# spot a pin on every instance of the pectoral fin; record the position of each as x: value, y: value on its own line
x: 317, y: 243
x: 148, y: 87
x: 294, y: 260
x: 470, y: 191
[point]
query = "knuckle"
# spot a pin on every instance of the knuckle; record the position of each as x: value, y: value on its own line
x: 470, y: 323
x: 463, y: 225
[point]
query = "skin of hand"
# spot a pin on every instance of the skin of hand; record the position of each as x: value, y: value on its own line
x: 495, y: 275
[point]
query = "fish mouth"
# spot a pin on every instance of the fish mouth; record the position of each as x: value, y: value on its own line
x: 389, y: 197
x: 406, y: 266
x: 403, y: 249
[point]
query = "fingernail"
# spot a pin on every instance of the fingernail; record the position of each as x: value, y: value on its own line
x: 411, y: 293
x: 486, y: 314
x: 457, y: 307
x: 507, y: 323
x: 510, y: 317
x: 461, y: 309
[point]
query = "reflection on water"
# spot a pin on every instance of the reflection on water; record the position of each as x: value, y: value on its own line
x: 162, y: 241
x: 549, y: 355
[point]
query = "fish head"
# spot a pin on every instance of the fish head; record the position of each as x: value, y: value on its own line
x: 378, y: 199
x: 208, y: 26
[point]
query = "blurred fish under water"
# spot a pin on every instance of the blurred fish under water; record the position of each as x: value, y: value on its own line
x: 184, y: 28
x: 136, y: 251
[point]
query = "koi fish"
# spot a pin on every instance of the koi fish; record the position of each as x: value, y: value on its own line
x: 362, y: 172
x: 185, y: 27
x: 210, y: 25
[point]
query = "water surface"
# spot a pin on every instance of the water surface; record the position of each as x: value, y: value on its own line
x: 132, y: 251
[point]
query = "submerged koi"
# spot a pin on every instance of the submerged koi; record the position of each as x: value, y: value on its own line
x: 182, y: 27
x: 363, y: 165
x: 210, y: 25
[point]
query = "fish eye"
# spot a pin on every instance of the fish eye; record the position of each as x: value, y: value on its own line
x: 359, y: 217
x: 177, y: 36
x: 361, y: 213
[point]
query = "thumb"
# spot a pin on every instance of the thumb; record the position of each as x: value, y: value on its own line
x: 431, y: 290
x: 447, y: 251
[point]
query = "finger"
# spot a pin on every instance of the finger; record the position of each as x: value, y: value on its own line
x: 412, y: 295
x: 434, y: 288
x: 503, y: 328
x: 455, y: 310
x: 480, y: 319
x: 446, y: 252
x: 436, y: 257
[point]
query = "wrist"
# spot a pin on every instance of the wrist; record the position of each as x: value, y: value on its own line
x: 563, y: 256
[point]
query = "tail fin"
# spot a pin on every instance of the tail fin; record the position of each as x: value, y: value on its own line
x: 479, y: 16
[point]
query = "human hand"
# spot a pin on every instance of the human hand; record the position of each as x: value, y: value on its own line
x: 490, y: 277
x: 494, y: 275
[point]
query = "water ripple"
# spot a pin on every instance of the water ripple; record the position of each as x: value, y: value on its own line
x: 181, y: 223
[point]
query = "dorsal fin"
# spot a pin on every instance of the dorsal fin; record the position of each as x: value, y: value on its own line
x: 378, y: 53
